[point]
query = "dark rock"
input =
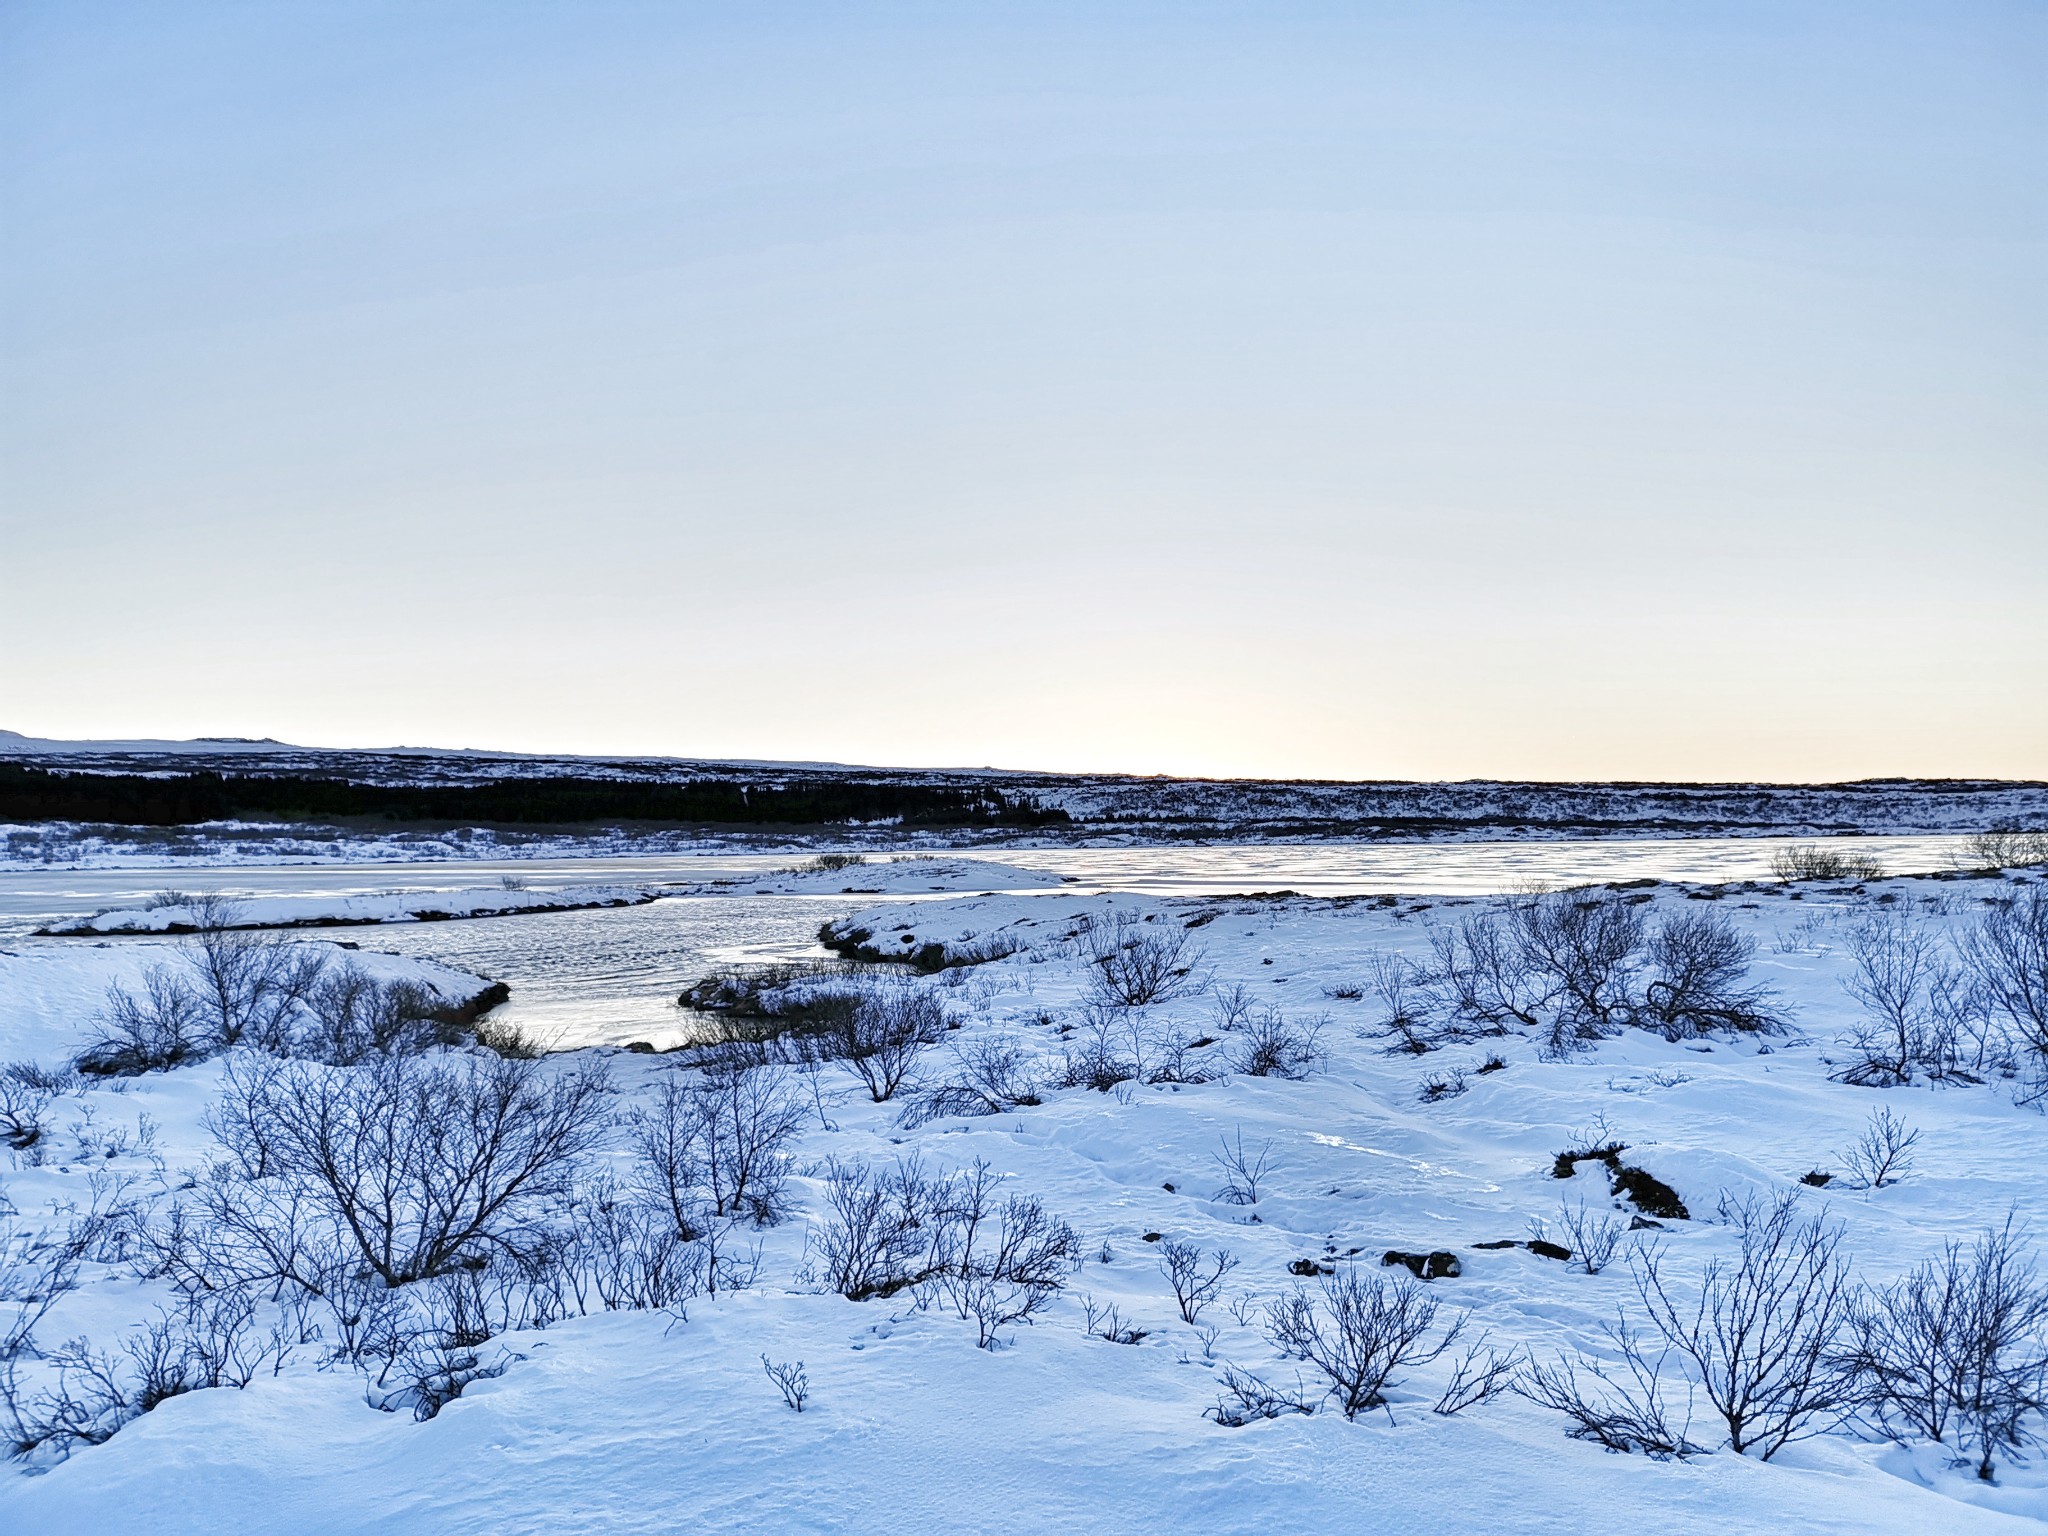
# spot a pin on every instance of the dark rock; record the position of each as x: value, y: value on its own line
x: 1544, y: 1250
x: 1817, y: 1179
x: 1500, y: 1242
x: 1439, y: 1265
x: 1307, y: 1268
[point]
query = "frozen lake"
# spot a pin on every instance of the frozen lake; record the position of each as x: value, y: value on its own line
x: 612, y: 975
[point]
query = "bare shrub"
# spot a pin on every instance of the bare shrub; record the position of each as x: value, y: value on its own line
x: 1591, y: 1235
x: 1584, y: 947
x: 1439, y: 1086
x: 1231, y: 1007
x: 997, y: 1265
x: 1762, y: 1336
x: 632, y: 1255
x: 1809, y: 861
x: 1481, y: 979
x: 1482, y: 1373
x: 351, y: 1016
x: 991, y: 1074
x: 1403, y: 989
x: 1108, y: 1049
x: 881, y: 1036
x: 85, y: 1395
x: 2005, y: 850
x: 1272, y: 1045
x: 2006, y: 953
x: 25, y: 1097
x: 1135, y: 963
x: 790, y: 1380
x: 1359, y: 1331
x: 876, y: 1237
x: 1627, y: 1407
x: 1195, y: 1284
x: 1901, y: 980
x: 423, y: 1166
x: 1883, y: 1154
x: 1698, y: 964
x: 157, y: 1030
x: 250, y: 985
x: 714, y: 1150
x: 1956, y: 1351
x: 1246, y: 1399
x: 1244, y: 1169
x: 1107, y: 1323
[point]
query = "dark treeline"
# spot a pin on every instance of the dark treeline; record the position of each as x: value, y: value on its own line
x: 36, y: 794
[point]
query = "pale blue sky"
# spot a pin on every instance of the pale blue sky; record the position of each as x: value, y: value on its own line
x: 1540, y: 390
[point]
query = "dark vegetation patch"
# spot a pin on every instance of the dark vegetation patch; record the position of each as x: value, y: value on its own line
x: 184, y: 799
x: 1648, y: 1193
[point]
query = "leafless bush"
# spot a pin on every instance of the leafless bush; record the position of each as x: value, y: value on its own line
x: 1246, y: 1399
x: 876, y: 1236
x: 1763, y: 1334
x: 2006, y: 954
x: 713, y: 1150
x: 1359, y: 1331
x: 997, y: 1265
x: 502, y: 1038
x: 424, y: 1166
x: 1272, y: 1045
x: 26, y: 1093
x: 1136, y: 963
x: 250, y: 985
x: 351, y: 1016
x: 1956, y: 1351
x: 1231, y: 1007
x: 1194, y: 1283
x: 1108, y: 1049
x: 1483, y: 1373
x: 1627, y: 1408
x: 1439, y: 1086
x: 84, y: 1396
x: 790, y: 1380
x: 1698, y: 964
x: 991, y: 1074
x: 2004, y: 850
x: 1809, y: 861
x: 1481, y: 980
x: 1883, y: 1154
x: 1907, y: 992
x: 39, y: 1266
x: 1107, y: 1323
x: 1403, y: 988
x: 1592, y: 1235
x: 631, y: 1254
x: 157, y: 1030
x: 1243, y: 1169
x: 440, y: 1355
x: 881, y: 1036
x: 1585, y: 949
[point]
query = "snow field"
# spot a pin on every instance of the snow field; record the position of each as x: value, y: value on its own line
x: 654, y: 1422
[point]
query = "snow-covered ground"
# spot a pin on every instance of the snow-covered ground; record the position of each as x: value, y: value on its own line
x: 650, y: 1421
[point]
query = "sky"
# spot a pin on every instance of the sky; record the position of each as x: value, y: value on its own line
x: 1556, y: 391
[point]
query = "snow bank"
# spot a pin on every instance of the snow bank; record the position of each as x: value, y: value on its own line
x: 352, y: 911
